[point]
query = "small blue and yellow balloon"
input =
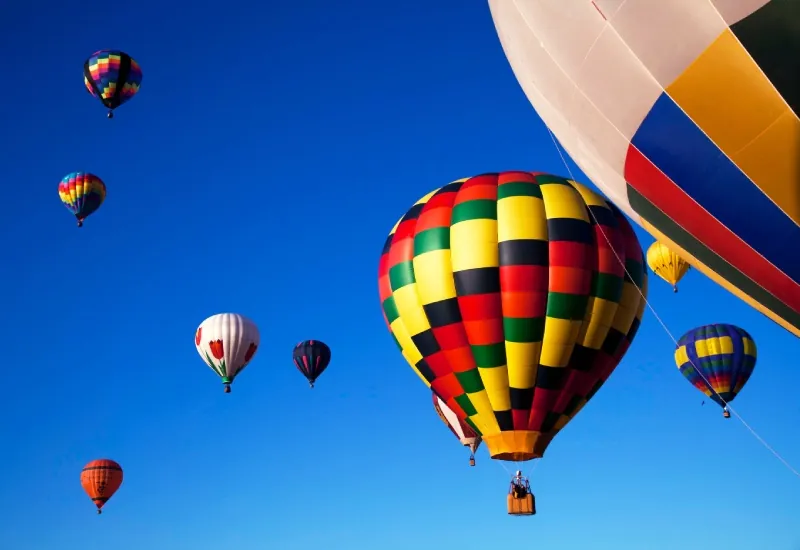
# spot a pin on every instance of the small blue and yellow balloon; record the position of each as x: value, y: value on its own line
x: 717, y: 360
x: 113, y: 77
x: 82, y: 193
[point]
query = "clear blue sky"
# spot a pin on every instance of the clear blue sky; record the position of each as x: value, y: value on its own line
x: 272, y: 147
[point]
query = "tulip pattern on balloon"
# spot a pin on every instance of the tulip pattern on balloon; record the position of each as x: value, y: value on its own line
x: 227, y: 343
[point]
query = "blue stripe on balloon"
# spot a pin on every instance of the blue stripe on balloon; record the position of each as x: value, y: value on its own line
x: 739, y: 358
x: 680, y: 149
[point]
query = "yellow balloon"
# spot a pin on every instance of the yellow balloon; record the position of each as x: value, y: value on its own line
x: 666, y: 264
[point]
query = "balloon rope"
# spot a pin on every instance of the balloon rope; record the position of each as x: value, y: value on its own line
x: 664, y: 326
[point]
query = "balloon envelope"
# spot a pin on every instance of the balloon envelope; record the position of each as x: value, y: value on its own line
x: 508, y: 295
x: 82, y: 193
x: 311, y: 358
x: 101, y: 479
x: 227, y: 343
x: 666, y: 264
x: 717, y: 360
x: 685, y: 114
x: 112, y: 76
x: 463, y: 431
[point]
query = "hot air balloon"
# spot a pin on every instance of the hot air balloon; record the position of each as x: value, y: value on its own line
x: 666, y: 264
x: 82, y: 193
x: 227, y: 342
x: 463, y: 431
x: 717, y: 360
x: 513, y: 296
x: 685, y: 114
x: 311, y: 358
x: 113, y: 77
x: 101, y: 479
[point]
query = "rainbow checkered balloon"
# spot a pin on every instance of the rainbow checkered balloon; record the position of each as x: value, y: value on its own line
x: 113, y: 77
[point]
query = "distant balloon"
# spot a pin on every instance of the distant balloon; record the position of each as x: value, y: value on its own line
x: 101, y: 479
x: 82, y: 193
x: 666, y: 264
x: 463, y: 431
x: 311, y: 358
x: 725, y: 355
x: 227, y: 342
x: 113, y: 77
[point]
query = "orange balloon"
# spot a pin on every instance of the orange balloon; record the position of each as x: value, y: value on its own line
x: 101, y: 479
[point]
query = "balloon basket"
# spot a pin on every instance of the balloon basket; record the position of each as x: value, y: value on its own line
x: 524, y: 506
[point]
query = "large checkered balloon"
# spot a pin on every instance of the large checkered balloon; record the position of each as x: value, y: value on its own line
x: 513, y: 296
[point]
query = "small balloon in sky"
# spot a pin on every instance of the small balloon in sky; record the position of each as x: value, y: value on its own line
x: 227, y: 343
x: 101, y: 479
x: 311, y: 358
x: 113, y: 77
x: 82, y: 193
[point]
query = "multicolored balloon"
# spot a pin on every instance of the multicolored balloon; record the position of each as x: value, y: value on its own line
x: 463, y: 431
x: 513, y: 296
x: 717, y: 360
x: 113, y: 77
x: 686, y: 115
x: 227, y: 343
x: 666, y: 264
x: 101, y: 479
x: 311, y: 358
x: 82, y: 193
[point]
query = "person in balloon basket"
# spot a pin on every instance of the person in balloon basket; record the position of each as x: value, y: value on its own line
x: 520, y: 490
x: 519, y: 485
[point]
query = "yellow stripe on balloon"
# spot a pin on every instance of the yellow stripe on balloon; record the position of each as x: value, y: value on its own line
x: 523, y: 361
x: 681, y: 356
x: 435, y: 276
x: 728, y: 96
x: 525, y: 219
x: 410, y: 309
x: 563, y: 201
x: 474, y: 244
